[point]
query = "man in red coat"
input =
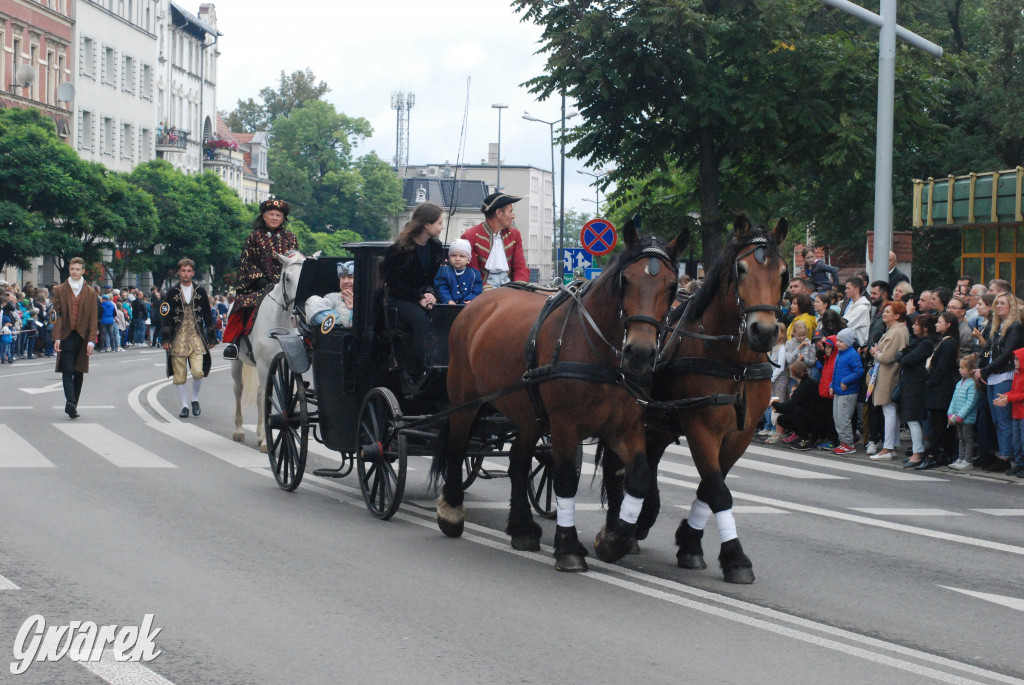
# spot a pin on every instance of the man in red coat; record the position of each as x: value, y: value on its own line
x: 500, y: 266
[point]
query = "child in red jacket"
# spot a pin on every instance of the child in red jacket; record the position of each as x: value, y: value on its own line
x: 1015, y: 398
x: 827, y: 361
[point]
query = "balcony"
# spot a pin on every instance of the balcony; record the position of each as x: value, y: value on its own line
x: 172, y: 140
x: 213, y: 158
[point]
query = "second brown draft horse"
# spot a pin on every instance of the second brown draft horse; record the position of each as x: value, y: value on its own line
x: 563, y: 365
x: 715, y: 381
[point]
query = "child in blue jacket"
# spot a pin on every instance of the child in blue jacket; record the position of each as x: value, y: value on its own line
x: 847, y: 376
x: 963, y: 412
x: 457, y: 282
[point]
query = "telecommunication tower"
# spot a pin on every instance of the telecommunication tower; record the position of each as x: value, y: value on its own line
x: 402, y: 102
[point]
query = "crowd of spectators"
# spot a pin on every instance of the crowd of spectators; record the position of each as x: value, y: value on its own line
x: 126, y: 319
x: 860, y: 360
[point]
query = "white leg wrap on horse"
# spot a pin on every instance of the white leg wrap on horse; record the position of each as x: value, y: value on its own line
x: 700, y: 512
x: 630, y: 509
x: 726, y: 525
x: 566, y: 507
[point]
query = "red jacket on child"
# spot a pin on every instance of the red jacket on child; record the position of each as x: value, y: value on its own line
x: 1016, y: 395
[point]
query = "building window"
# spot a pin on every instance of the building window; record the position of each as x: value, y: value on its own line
x: 107, y: 143
x: 33, y: 59
x: 128, y: 75
x: 109, y: 66
x: 87, y: 59
x: 147, y: 82
x: 53, y: 80
x: 147, y: 145
x: 534, y: 214
x: 85, y: 131
x: 126, y: 141
x: 534, y: 184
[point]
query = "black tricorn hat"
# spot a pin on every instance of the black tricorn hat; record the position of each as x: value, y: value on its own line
x: 496, y: 201
x: 279, y: 205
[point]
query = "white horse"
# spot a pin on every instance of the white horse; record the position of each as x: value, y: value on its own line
x: 275, y: 311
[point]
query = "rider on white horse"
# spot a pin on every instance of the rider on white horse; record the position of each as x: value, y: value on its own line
x: 259, y: 268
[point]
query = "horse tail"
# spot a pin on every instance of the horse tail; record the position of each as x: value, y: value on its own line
x: 439, y: 464
x: 250, y: 385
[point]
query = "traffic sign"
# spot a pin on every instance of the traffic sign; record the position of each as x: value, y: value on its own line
x: 593, y: 273
x: 598, y: 237
x: 567, y: 278
x: 575, y: 258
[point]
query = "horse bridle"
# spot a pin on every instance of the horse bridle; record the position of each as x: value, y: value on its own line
x: 288, y: 302
x: 759, y: 247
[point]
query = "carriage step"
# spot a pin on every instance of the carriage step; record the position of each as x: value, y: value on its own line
x: 339, y: 472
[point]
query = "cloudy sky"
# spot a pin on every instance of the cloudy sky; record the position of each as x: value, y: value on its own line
x: 366, y: 50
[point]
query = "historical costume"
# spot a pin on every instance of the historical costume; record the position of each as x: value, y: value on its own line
x: 498, y: 267
x: 259, y: 269
x: 74, y: 319
x: 186, y: 328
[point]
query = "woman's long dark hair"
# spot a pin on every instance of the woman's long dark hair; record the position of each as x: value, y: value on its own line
x: 426, y: 213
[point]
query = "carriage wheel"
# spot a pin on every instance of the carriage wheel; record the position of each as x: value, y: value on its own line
x: 541, y: 485
x: 382, y: 453
x: 286, y: 422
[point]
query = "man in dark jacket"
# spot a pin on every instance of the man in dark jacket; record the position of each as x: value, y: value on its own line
x: 895, y: 275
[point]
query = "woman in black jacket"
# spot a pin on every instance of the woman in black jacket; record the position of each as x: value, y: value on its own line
x: 943, y: 374
x: 409, y: 268
x: 997, y: 370
x: 913, y: 378
x: 805, y: 411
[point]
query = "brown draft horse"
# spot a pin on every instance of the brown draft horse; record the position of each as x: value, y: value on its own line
x: 717, y: 350
x: 579, y: 391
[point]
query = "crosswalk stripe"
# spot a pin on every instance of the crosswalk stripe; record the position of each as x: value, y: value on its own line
x: 6, y: 584
x: 112, y: 447
x: 748, y: 509
x: 18, y: 452
x: 225, y: 449
x: 1000, y: 512
x: 827, y: 463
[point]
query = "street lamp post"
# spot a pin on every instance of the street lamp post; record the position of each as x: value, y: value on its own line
x: 499, y: 106
x: 554, y: 210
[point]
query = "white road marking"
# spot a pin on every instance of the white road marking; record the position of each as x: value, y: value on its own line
x: 1011, y: 602
x: 903, y: 511
x: 6, y: 584
x: 835, y: 465
x: 53, y: 387
x: 223, y: 448
x: 764, y: 467
x: 88, y: 406
x: 744, y: 509
x: 470, y: 504
x: 123, y: 672
x: 13, y: 408
x: 112, y: 447
x: 18, y: 452
x: 1000, y: 512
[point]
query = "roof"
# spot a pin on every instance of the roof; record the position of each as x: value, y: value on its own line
x: 902, y: 245
x: 193, y: 24
x: 445, y: 192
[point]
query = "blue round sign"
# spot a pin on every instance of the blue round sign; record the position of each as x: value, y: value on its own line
x: 598, y: 237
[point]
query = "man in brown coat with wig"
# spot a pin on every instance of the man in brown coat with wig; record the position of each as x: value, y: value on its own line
x: 74, y: 331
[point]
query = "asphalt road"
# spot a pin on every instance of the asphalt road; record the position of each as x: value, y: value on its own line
x: 865, y: 573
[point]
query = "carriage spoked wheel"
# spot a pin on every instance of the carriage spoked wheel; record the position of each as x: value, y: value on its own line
x: 286, y: 422
x: 541, y: 485
x: 382, y: 457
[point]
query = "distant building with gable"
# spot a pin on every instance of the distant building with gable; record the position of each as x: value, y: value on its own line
x: 240, y: 159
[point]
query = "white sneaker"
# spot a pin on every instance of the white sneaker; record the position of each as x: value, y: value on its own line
x: 960, y: 464
x: 764, y: 433
x: 872, y: 448
x: 880, y: 456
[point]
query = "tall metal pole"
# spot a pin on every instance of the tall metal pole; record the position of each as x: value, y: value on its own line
x: 561, y: 201
x: 884, y: 140
x: 499, y: 106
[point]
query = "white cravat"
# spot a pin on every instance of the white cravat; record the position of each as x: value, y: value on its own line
x: 76, y: 286
x: 186, y: 293
x: 496, y: 261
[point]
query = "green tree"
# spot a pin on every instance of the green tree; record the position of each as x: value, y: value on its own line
x: 293, y: 91
x: 312, y: 161
x: 133, y: 224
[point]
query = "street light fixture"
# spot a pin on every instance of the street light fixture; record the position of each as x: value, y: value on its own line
x: 554, y: 210
x: 499, y: 106
x: 597, y: 188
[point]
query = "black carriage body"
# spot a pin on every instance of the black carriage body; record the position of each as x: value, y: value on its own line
x: 346, y: 362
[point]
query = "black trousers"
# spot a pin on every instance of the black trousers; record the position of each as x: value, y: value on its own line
x: 415, y: 316
x: 72, y: 379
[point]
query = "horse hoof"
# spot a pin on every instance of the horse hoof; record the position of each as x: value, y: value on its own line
x: 451, y: 520
x: 740, y: 576
x: 526, y: 543
x: 610, y: 546
x: 635, y: 547
x: 238, y: 437
x: 694, y: 562
x: 263, y: 448
x: 571, y: 563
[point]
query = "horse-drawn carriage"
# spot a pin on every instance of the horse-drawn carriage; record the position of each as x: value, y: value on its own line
x: 350, y: 388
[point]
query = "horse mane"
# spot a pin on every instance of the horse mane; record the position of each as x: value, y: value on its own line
x: 721, y: 272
